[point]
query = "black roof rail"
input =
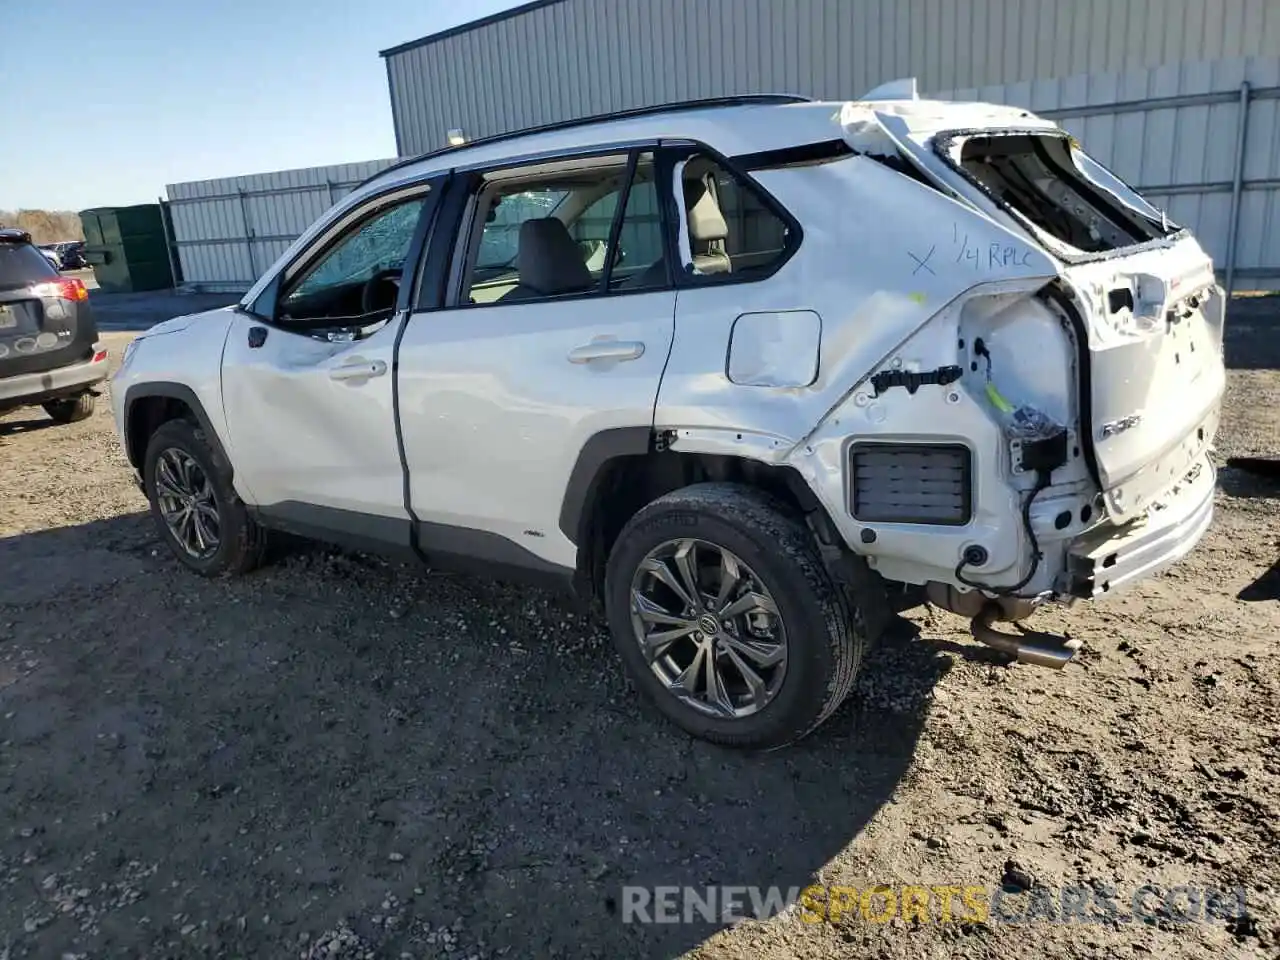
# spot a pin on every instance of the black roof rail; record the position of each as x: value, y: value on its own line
x: 743, y: 100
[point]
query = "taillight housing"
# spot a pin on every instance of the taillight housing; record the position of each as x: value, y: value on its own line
x: 64, y: 288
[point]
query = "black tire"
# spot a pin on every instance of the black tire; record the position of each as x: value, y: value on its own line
x: 71, y: 409
x: 823, y: 638
x: 241, y: 542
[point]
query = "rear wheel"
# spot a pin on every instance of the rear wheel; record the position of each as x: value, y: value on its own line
x: 727, y: 618
x: 196, y: 510
x: 71, y: 409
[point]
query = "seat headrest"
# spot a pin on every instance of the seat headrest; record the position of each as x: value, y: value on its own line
x: 549, y: 259
x: 706, y: 222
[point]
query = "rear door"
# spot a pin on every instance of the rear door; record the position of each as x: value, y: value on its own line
x: 1144, y: 288
x: 545, y: 341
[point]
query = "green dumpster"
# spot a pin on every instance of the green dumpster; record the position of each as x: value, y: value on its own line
x: 127, y: 247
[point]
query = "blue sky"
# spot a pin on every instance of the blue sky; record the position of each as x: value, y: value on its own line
x: 108, y: 101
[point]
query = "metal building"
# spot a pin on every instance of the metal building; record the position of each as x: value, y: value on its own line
x: 1180, y: 97
x: 227, y: 231
x: 556, y: 59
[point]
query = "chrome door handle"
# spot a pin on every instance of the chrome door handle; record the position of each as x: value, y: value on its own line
x: 607, y: 350
x: 359, y: 370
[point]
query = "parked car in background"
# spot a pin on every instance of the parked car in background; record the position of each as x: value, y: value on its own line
x: 727, y: 366
x: 49, y: 350
x: 71, y: 254
x: 50, y: 253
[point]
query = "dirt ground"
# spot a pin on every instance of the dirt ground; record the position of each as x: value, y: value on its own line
x: 340, y: 757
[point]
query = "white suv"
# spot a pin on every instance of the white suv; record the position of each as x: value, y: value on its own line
x: 728, y: 366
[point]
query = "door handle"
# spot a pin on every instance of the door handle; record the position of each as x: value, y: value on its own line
x: 358, y: 370
x: 607, y: 350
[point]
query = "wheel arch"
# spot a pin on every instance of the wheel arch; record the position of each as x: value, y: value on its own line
x: 148, y: 405
x: 620, y: 471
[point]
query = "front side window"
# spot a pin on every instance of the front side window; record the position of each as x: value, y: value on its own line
x: 733, y: 233
x: 356, y: 282
x: 558, y: 233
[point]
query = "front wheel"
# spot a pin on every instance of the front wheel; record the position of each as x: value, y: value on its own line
x: 197, y: 511
x: 727, y: 618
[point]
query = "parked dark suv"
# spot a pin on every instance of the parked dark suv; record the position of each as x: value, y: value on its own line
x: 49, y: 350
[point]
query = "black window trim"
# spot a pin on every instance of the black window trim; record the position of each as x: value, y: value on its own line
x: 450, y: 234
x: 802, y: 155
x: 619, y: 215
x: 684, y: 277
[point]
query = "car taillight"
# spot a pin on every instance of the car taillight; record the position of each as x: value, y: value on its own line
x: 64, y: 288
x: 100, y: 356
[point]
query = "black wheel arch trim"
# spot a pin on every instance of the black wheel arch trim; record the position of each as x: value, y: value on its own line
x: 592, y: 463
x: 170, y: 391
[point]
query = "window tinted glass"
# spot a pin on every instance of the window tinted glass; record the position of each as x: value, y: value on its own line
x: 551, y: 237
x: 732, y: 233
x: 22, y: 264
x: 640, y: 263
x: 379, y: 244
x: 501, y: 234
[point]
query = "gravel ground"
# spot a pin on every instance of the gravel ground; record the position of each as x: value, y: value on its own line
x: 341, y: 757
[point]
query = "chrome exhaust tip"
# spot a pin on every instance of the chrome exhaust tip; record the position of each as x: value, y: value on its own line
x: 1038, y: 649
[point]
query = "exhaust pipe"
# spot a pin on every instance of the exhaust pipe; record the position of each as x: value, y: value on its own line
x: 1038, y: 649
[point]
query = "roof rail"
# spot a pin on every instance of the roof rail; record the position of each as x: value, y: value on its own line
x: 744, y: 100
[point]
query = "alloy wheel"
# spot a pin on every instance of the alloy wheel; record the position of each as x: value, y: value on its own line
x: 708, y: 628
x: 185, y: 497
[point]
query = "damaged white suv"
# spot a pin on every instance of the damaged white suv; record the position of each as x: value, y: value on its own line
x: 729, y: 366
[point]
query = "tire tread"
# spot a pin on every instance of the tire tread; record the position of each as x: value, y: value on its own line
x: 774, y: 527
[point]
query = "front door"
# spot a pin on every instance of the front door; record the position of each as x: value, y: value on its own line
x: 558, y: 327
x: 307, y: 392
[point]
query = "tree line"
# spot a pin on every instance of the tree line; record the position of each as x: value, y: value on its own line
x: 45, y: 226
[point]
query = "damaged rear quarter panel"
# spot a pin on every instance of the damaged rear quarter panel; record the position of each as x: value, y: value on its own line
x: 881, y: 255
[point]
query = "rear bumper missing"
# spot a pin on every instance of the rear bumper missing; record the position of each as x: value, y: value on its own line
x: 1108, y: 558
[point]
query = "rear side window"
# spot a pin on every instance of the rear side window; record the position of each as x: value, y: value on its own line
x: 564, y: 232
x: 22, y: 265
x: 734, y: 234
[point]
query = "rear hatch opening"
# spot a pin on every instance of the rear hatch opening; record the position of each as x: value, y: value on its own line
x: 1073, y: 205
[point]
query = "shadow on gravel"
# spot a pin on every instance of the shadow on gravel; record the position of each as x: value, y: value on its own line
x: 1251, y: 337
x: 337, y: 748
x: 1266, y: 587
x: 1250, y: 477
x: 10, y: 427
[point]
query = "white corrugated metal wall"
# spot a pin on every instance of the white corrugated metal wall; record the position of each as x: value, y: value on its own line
x: 571, y: 58
x: 228, y: 231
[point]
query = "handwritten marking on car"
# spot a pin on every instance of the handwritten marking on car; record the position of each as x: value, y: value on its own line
x: 922, y: 263
x: 996, y: 256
